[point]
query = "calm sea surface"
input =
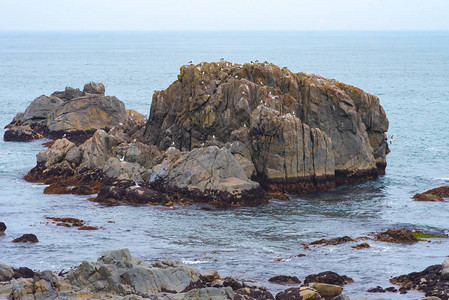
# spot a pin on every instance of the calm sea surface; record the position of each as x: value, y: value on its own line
x: 408, y: 71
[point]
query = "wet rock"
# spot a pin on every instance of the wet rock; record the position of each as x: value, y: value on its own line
x: 401, y: 236
x: 210, y: 275
x: 283, y: 279
x: 429, y: 281
x: 88, y: 228
x: 26, y: 238
x: 67, y: 222
x: 377, y: 289
x: 391, y: 289
x: 23, y: 272
x: 2, y: 228
x: 333, y: 241
x: 327, y: 291
x: 252, y: 293
x: 72, y: 113
x: 301, y: 293
x: 6, y: 272
x: 132, y: 195
x: 440, y: 194
x: 328, y: 277
x: 361, y: 246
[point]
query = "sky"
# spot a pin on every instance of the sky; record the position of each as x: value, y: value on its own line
x: 246, y: 15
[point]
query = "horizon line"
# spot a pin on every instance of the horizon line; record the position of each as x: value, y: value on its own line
x: 223, y: 30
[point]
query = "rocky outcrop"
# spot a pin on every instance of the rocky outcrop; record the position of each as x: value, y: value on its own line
x: 224, y: 134
x: 302, y: 130
x: 328, y: 277
x: 72, y: 113
x: 118, y: 275
x: 440, y: 194
x: 401, y: 236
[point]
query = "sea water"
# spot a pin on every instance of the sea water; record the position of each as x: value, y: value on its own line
x: 409, y: 71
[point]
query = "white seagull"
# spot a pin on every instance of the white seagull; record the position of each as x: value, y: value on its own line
x: 391, y: 139
x: 123, y: 158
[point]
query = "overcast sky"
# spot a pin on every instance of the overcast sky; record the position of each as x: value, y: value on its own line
x: 148, y: 15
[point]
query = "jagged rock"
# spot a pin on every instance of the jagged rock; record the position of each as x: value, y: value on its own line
x: 72, y: 113
x: 6, y: 272
x: 2, y: 228
x: 301, y: 293
x: 440, y: 194
x: 333, y: 241
x: 401, y: 236
x: 328, y: 277
x: 26, y: 238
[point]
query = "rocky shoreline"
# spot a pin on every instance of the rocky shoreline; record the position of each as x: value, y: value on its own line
x: 118, y: 275
x: 223, y: 133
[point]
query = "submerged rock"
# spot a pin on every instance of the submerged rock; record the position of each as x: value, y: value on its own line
x: 440, y: 194
x: 72, y: 113
x: 223, y: 133
x: 26, y: 238
x: 401, y: 236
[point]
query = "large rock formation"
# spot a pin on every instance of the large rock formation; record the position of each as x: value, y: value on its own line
x: 72, y: 113
x: 226, y: 134
x: 301, y: 129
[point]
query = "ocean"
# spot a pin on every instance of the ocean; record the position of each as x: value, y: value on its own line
x: 408, y: 71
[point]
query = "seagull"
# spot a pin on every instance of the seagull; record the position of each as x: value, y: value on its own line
x: 236, y: 76
x: 64, y: 135
x: 261, y: 102
x: 121, y: 124
x: 222, y: 59
x: 261, y: 83
x: 134, y: 140
x: 137, y: 185
x: 244, y: 125
x: 191, y: 62
x: 202, y: 145
x: 257, y: 60
x: 123, y: 158
x: 173, y: 144
x: 294, y: 114
x: 391, y: 139
x: 213, y: 136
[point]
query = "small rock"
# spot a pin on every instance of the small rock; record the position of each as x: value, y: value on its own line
x: 445, y: 271
x: 303, y: 292
x: 88, y: 228
x: 210, y: 275
x: 94, y: 88
x: 333, y: 241
x: 6, y: 272
x: 2, y: 228
x: 283, y: 279
x: 327, y: 290
x: 361, y: 246
x: 26, y: 238
x: 401, y: 236
x: 328, y: 277
x: 391, y: 289
x: 23, y: 272
x: 377, y: 289
x: 248, y: 293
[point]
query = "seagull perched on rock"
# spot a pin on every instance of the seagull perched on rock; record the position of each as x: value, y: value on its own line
x: 244, y: 125
x: 202, y: 145
x: 121, y: 124
x: 173, y: 144
x: 191, y: 62
x: 391, y: 139
x: 294, y: 114
x: 213, y: 136
x: 222, y: 59
x: 123, y: 158
x: 256, y: 60
x: 64, y: 135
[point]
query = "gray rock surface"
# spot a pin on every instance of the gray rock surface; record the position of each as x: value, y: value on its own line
x: 72, y: 113
x: 6, y: 272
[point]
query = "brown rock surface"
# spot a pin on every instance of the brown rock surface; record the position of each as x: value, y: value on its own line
x: 440, y: 194
x: 401, y: 236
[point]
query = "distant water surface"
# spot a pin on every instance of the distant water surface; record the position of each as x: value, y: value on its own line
x: 408, y: 71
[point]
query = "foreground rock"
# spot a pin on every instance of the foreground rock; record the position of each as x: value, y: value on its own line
x: 228, y: 135
x: 328, y: 277
x: 72, y: 113
x: 118, y: 275
x: 283, y: 279
x: 433, y: 281
x: 440, y: 194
